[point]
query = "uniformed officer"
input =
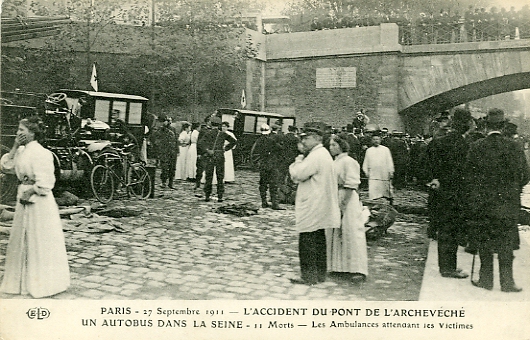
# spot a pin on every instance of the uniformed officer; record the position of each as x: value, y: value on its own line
x: 269, y: 148
x: 212, y: 148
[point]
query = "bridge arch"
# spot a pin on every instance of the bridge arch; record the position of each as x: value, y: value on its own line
x: 467, y: 93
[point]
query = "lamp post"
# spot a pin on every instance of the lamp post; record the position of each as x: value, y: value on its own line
x: 89, y: 18
x: 153, y: 77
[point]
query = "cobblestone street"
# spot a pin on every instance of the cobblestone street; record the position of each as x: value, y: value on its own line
x: 180, y: 248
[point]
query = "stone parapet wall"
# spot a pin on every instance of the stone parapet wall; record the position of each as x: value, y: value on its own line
x: 347, y: 41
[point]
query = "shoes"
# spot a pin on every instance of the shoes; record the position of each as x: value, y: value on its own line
x: 163, y: 185
x: 481, y: 285
x: 220, y: 199
x: 170, y: 186
x: 456, y: 274
x: 302, y: 282
x: 277, y: 207
x: 207, y: 199
x: 512, y: 289
x: 265, y: 205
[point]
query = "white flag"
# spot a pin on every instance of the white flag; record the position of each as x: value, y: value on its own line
x: 243, y: 100
x: 94, y: 78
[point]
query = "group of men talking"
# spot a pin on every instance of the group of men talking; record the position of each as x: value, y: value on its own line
x: 476, y: 186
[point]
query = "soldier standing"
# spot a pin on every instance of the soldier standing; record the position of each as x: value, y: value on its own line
x: 269, y: 148
x: 212, y: 149
x: 166, y: 146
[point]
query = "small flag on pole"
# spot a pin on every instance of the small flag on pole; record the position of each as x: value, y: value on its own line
x: 243, y: 100
x: 94, y: 78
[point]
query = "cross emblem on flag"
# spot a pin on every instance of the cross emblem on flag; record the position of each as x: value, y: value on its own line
x: 94, y: 78
x: 243, y: 100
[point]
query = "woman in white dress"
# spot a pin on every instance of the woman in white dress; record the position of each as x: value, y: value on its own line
x: 191, y: 161
x: 346, y: 246
x: 230, y: 175
x: 184, y: 144
x: 36, y: 259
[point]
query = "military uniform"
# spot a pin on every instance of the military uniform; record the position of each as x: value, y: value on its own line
x: 211, y: 147
x: 166, y: 146
x: 268, y: 146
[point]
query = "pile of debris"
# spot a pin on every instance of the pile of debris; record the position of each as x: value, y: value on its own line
x: 80, y: 217
x: 241, y: 210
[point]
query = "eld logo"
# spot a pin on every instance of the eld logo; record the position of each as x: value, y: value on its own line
x: 38, y: 313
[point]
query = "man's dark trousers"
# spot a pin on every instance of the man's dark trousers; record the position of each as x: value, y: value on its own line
x: 447, y: 246
x: 167, y: 169
x: 200, y: 169
x: 505, y: 257
x: 268, y: 179
x: 217, y: 162
x: 312, y: 253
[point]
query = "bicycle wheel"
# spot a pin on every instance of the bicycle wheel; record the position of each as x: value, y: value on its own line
x: 102, y: 183
x: 139, y: 181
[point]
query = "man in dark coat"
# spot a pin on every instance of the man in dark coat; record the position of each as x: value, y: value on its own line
x: 400, y: 155
x: 445, y: 164
x: 496, y: 172
x: 200, y: 160
x: 211, y: 147
x: 353, y: 142
x: 290, y: 146
x: 287, y: 188
x: 166, y: 145
x: 269, y: 148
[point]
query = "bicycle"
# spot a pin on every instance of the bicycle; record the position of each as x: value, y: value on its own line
x: 119, y: 170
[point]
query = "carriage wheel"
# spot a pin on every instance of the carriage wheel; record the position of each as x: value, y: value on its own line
x: 102, y: 183
x: 139, y: 181
x: 255, y: 156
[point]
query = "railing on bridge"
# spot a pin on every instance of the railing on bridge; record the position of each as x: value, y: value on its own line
x: 438, y: 29
x: 458, y: 32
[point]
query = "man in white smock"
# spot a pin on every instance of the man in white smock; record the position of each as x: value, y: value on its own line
x: 379, y: 168
x: 316, y: 206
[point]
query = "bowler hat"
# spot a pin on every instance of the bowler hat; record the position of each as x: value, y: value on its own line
x: 462, y: 115
x: 495, y: 116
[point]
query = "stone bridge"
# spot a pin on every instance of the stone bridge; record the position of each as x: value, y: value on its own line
x: 328, y: 75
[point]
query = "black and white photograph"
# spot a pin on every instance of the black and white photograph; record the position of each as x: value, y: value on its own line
x: 268, y: 169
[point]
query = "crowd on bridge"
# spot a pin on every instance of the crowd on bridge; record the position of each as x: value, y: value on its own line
x: 475, y: 24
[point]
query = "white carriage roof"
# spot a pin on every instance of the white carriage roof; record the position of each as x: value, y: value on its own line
x: 255, y: 113
x: 106, y: 94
